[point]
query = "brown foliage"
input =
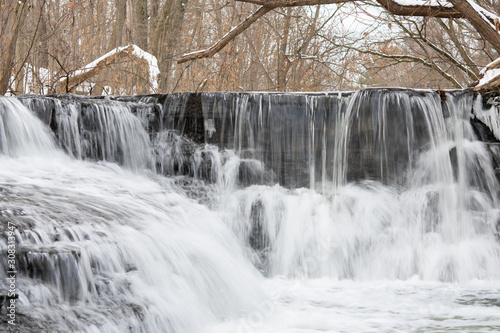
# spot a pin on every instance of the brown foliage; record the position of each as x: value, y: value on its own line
x: 288, y: 47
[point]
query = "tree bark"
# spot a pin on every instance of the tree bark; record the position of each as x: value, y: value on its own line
x: 165, y: 40
x: 424, y: 10
x: 117, y: 35
x: 283, y: 61
x: 15, y: 27
x: 19, y: 65
x: 171, y: 41
x: 141, y: 24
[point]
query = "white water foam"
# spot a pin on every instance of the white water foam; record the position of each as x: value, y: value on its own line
x: 106, y: 250
x: 103, y: 249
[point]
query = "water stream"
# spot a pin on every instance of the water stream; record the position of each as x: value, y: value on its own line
x: 373, y: 211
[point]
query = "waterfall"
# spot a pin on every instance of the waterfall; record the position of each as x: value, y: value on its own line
x: 424, y: 202
x: 103, y: 249
x: 20, y: 132
x: 251, y: 212
x: 102, y: 130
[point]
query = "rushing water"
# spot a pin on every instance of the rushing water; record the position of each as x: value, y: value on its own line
x: 374, y: 211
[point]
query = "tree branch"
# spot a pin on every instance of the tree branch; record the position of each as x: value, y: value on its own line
x: 425, y: 9
x: 261, y: 65
x: 292, y: 3
x: 448, y: 56
x: 403, y: 57
x: 430, y: 62
x: 481, y: 19
x: 32, y: 41
x: 226, y: 38
x: 451, y: 32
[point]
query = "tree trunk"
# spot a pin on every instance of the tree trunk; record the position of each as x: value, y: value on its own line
x: 117, y: 35
x: 167, y: 37
x: 15, y: 27
x: 19, y: 66
x: 283, y: 61
x: 44, y: 45
x: 141, y: 24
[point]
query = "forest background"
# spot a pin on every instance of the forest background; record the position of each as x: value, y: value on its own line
x: 340, y: 46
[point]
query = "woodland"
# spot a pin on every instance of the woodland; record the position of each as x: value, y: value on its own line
x: 242, y: 45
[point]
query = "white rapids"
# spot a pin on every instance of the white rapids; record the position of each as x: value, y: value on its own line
x: 103, y: 247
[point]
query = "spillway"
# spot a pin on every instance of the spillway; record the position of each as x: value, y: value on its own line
x: 367, y: 211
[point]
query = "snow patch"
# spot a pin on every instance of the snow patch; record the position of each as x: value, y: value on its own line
x: 137, y: 52
x: 35, y: 81
x: 154, y: 71
x: 485, y: 14
x: 424, y: 3
x: 488, y: 74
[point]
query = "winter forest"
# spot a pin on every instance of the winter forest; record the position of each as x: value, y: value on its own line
x: 287, y: 46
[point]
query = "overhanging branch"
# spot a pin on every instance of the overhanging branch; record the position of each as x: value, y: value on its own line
x: 480, y: 18
x: 419, y: 8
x: 292, y: 3
x: 425, y: 9
x: 227, y: 37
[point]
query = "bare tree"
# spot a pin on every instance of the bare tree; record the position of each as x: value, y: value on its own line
x: 14, y: 11
x: 285, y: 44
x: 483, y: 21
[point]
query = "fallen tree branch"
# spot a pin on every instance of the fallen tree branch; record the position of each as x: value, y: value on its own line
x: 489, y: 77
x: 71, y: 81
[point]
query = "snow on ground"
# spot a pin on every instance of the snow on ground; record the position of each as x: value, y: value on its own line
x: 35, y: 81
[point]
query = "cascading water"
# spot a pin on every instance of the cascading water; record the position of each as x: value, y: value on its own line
x: 374, y: 211
x: 100, y: 249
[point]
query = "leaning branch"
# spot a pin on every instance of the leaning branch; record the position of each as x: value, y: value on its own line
x: 480, y: 20
x: 227, y: 37
x: 460, y: 48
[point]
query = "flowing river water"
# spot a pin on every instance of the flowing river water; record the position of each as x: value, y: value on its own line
x: 373, y: 211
